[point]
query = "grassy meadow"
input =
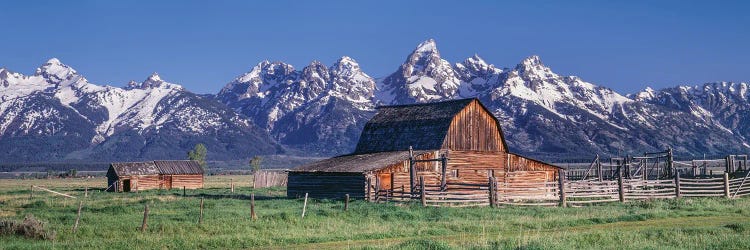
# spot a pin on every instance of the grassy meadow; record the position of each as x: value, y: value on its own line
x: 112, y: 220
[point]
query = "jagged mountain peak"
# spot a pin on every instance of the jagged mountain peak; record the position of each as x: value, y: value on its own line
x: 428, y: 46
x: 133, y: 85
x: 153, y: 81
x: 347, y: 67
x: 646, y: 94
x: 316, y: 65
x: 475, y: 59
x: 425, y: 52
x: 154, y: 77
x: 533, y: 65
x: 346, y: 62
x: 532, y: 60
x: 423, y: 77
x: 476, y: 66
x: 55, y: 70
x: 54, y: 60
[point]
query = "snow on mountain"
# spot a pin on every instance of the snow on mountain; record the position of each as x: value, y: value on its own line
x: 57, y: 101
x: 320, y: 110
x: 533, y: 81
x: 477, y: 76
x: 287, y: 102
x: 423, y: 77
x: 723, y: 104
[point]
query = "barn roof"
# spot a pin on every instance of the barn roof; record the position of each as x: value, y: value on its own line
x: 422, y: 126
x: 358, y: 162
x: 179, y: 167
x: 134, y: 168
x: 156, y: 167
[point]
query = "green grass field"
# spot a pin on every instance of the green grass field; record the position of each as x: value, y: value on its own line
x: 111, y: 220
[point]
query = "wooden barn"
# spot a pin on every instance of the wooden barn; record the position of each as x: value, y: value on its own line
x: 135, y: 176
x: 444, y: 143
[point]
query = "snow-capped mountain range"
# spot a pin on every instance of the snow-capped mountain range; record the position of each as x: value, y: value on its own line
x: 321, y: 110
x: 57, y: 114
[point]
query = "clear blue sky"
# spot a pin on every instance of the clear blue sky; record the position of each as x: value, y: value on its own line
x: 202, y: 45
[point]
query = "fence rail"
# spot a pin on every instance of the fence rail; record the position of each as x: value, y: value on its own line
x: 566, y: 192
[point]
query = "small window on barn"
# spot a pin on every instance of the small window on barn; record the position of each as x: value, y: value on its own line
x: 453, y: 173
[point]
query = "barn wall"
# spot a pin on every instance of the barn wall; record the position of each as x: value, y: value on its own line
x: 326, y: 185
x: 111, y: 179
x: 465, y: 167
x: 143, y: 182
x: 398, y: 174
x: 475, y: 166
x: 519, y: 163
x: 473, y: 128
x: 193, y: 181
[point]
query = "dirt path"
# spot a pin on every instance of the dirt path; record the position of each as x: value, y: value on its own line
x: 680, y: 222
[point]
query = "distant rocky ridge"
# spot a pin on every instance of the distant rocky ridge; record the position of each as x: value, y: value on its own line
x: 320, y: 110
x: 543, y: 114
x: 56, y: 114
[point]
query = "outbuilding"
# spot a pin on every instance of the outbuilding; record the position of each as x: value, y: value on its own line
x: 444, y: 143
x: 138, y: 176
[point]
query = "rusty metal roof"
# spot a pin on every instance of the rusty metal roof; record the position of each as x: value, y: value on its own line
x: 179, y: 167
x: 358, y: 162
x: 156, y: 167
x: 422, y: 126
x: 134, y: 168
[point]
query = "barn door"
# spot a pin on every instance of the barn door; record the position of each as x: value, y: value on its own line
x: 167, y: 181
x: 126, y: 185
x: 385, y: 180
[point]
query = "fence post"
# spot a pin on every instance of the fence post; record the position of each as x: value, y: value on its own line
x: 726, y: 163
x: 377, y: 189
x: 183, y: 191
x: 144, y: 225
x: 491, y: 188
x: 86, y: 191
x: 231, y: 184
x: 78, y: 216
x: 304, y: 206
x: 346, y: 202
x: 200, y: 219
x: 670, y: 161
x: 695, y: 169
x: 620, y: 187
x: 369, y: 189
x: 421, y: 191
x: 444, y: 169
x: 31, y: 192
x: 677, y: 192
x: 252, y: 206
x: 598, y: 168
x: 726, y: 184
x: 561, y: 185
x: 411, y: 170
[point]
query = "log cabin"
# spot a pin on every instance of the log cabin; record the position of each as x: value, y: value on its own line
x: 444, y: 143
x: 138, y: 176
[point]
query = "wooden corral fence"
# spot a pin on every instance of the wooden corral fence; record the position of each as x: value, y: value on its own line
x: 270, y: 178
x: 582, y: 192
x: 563, y: 192
x: 452, y: 194
x: 658, y: 165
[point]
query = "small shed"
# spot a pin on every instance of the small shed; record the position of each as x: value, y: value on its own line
x: 451, y: 142
x: 135, y: 176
